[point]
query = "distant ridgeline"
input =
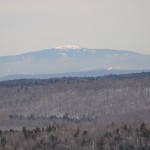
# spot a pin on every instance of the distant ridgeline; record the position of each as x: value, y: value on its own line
x: 30, y: 82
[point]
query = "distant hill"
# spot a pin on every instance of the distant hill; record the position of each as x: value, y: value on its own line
x: 92, y: 73
x: 72, y: 59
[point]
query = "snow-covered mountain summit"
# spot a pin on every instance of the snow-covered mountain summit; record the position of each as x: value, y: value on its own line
x: 68, y: 47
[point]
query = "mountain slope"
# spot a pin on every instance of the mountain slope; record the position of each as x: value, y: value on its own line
x: 60, y: 60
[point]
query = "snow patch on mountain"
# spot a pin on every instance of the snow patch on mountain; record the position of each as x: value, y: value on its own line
x: 89, y: 50
x: 93, y: 51
x: 110, y: 68
x: 63, y: 54
x: 114, y: 68
x: 63, y: 47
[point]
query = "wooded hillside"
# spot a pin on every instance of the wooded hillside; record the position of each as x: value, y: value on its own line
x: 110, y: 98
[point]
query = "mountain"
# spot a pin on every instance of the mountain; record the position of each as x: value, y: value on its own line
x: 72, y: 59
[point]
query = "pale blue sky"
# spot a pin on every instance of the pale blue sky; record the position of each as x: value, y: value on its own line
x: 29, y: 25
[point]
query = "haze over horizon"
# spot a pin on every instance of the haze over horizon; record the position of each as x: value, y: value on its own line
x: 112, y: 24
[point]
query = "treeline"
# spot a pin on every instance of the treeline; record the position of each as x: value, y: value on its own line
x: 64, y: 117
x: 78, y: 137
x: 32, y: 82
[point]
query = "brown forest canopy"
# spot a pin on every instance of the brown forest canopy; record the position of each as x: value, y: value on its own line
x: 108, y: 98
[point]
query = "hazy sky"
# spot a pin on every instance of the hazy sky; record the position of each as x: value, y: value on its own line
x: 28, y: 25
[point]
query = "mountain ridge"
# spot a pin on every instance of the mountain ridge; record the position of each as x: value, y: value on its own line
x: 55, y: 60
x: 91, y: 73
x: 79, y: 48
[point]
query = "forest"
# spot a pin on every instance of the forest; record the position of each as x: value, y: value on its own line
x: 83, y: 136
x: 101, y: 113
